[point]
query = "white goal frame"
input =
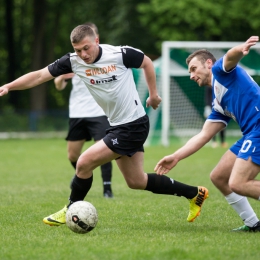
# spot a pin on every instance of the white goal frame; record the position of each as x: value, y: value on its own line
x: 166, y: 72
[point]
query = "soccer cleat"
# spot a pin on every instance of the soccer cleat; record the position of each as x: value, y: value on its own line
x: 57, y: 218
x: 108, y: 194
x: 196, y: 203
x: 255, y: 228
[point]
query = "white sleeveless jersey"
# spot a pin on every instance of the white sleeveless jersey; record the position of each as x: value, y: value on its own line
x: 109, y: 80
x: 81, y: 102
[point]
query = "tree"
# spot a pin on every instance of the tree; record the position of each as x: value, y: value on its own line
x: 10, y: 46
x: 36, y: 32
x: 202, y: 20
x: 38, y: 95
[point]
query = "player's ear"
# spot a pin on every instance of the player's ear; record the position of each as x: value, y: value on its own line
x: 209, y: 63
x: 97, y: 40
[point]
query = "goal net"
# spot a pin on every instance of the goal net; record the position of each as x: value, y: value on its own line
x: 181, y: 113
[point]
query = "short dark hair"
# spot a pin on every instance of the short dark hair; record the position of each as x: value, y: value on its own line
x: 202, y: 55
x: 80, y: 32
x: 93, y: 26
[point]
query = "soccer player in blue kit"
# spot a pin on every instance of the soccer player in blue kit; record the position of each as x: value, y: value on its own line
x: 235, y: 95
x: 106, y: 72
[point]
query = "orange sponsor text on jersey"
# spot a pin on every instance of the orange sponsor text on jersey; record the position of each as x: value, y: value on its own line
x: 98, y: 71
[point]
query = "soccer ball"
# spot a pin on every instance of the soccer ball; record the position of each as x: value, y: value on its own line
x: 81, y: 217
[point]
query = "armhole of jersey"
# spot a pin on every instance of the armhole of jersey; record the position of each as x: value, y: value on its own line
x: 223, y: 67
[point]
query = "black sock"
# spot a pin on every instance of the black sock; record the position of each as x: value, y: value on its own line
x: 107, y: 186
x: 106, y: 172
x: 161, y: 184
x: 74, y: 164
x: 80, y: 188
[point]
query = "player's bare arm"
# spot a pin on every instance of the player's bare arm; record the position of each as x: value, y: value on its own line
x: 154, y: 99
x: 61, y: 81
x: 193, y: 145
x: 235, y: 54
x: 27, y: 81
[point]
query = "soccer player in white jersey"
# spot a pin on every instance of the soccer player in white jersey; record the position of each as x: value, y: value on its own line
x: 106, y: 72
x: 235, y: 95
x: 87, y: 121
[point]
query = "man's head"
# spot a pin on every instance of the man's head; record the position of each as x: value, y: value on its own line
x: 85, y: 43
x: 80, y: 32
x: 199, y: 64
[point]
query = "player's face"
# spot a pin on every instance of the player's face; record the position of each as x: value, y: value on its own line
x: 199, y: 72
x: 87, y: 49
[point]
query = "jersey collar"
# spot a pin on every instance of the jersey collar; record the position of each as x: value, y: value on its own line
x: 99, y: 55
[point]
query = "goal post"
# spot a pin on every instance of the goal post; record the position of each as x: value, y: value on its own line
x: 182, y: 99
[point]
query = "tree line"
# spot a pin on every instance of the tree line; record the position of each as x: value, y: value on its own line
x: 36, y: 32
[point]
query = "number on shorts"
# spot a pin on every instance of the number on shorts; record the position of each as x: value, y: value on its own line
x: 246, y: 145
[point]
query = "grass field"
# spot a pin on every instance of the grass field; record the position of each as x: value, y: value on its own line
x: 35, y: 176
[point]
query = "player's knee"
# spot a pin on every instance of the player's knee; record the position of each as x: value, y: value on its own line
x: 236, y: 186
x: 81, y: 165
x: 86, y: 164
x: 73, y: 157
x: 215, y: 178
x: 133, y: 184
x: 212, y: 177
x: 218, y: 178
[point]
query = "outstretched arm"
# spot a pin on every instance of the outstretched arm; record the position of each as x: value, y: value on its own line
x: 193, y: 145
x: 234, y: 55
x: 154, y: 99
x: 26, y: 81
x: 61, y: 81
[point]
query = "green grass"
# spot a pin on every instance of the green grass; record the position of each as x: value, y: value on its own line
x: 35, y: 176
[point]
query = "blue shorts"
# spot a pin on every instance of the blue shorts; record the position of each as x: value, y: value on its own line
x: 248, y: 146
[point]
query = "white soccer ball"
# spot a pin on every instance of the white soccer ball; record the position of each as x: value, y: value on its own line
x: 81, y: 217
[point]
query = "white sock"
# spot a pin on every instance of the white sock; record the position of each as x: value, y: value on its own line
x: 241, y: 205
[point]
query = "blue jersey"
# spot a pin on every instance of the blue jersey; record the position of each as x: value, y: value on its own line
x: 236, y: 95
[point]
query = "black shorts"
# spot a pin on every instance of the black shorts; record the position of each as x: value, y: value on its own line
x: 127, y: 139
x: 87, y: 128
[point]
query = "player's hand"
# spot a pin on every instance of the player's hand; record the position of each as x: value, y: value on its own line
x: 165, y: 164
x: 153, y: 102
x: 249, y: 43
x: 3, y: 91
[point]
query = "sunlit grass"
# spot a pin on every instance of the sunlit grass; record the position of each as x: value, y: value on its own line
x: 35, y: 176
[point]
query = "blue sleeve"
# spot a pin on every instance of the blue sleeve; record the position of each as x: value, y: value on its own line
x: 219, y: 71
x: 218, y: 67
x: 218, y: 117
x: 61, y: 66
